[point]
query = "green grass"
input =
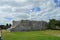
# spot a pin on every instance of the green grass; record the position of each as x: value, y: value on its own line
x: 32, y: 35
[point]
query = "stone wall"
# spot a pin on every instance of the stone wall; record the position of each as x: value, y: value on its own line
x: 26, y: 25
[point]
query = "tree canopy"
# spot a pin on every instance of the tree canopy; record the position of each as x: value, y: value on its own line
x: 5, y: 26
x: 53, y: 23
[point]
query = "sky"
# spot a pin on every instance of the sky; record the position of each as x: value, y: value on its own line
x: 29, y: 10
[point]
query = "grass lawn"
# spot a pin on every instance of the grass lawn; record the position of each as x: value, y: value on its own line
x: 32, y: 35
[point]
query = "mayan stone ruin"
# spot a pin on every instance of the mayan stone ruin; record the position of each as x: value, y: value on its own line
x: 27, y: 25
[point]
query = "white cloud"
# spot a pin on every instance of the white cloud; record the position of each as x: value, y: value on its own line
x: 21, y: 9
x: 20, y: 1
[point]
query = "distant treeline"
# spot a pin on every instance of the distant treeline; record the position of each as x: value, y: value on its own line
x: 5, y: 26
x: 53, y: 24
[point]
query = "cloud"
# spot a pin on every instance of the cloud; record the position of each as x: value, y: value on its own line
x: 20, y: 1
x: 22, y: 9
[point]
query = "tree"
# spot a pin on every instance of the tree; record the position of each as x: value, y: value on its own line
x: 8, y: 26
x: 58, y: 23
x: 5, y: 26
x: 52, y: 24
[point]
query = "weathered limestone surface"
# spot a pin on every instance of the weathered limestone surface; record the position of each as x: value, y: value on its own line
x: 26, y: 25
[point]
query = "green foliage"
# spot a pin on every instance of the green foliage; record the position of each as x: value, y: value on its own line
x: 5, y: 26
x: 53, y: 23
x: 8, y: 26
x: 58, y: 23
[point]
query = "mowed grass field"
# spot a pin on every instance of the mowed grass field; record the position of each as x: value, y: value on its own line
x: 32, y: 35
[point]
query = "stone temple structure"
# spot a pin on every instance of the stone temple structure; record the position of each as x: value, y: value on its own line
x: 27, y: 25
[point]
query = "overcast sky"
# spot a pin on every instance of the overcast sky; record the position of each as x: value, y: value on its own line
x: 28, y: 10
